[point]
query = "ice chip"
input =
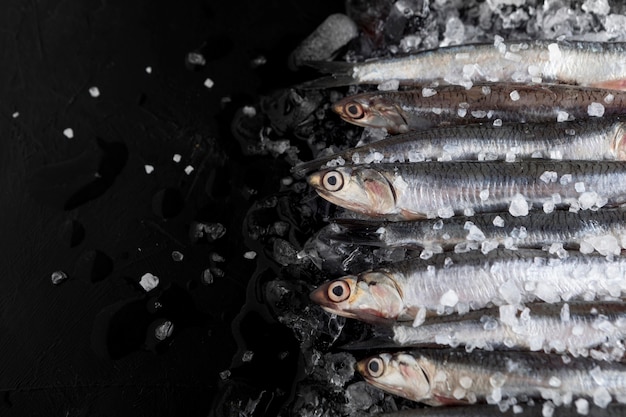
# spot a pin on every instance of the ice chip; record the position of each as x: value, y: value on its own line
x: 519, y: 206
x: 389, y: 85
x: 601, y: 397
x: 475, y: 234
x: 445, y: 212
x: 582, y: 406
x: 498, y: 221
x: 68, y: 133
x: 547, y: 409
x: 208, y: 83
x: 562, y: 116
x: 555, y: 53
x: 595, y: 110
x: 514, y: 95
x: 548, y: 207
x: 548, y: 176
x: 58, y: 277
x: 449, y: 299
x: 608, y: 99
x: 149, y: 282
x: 420, y: 317
x: 599, y: 7
x: 566, y: 179
x: 428, y: 92
x: 497, y: 122
x: 510, y: 293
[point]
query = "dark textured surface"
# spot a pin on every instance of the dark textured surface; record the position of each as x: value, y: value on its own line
x: 87, y: 206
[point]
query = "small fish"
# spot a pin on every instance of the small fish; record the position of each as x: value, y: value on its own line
x: 410, y: 191
x: 572, y: 230
x: 597, y: 139
x: 573, y: 327
x: 460, y: 282
x: 517, y: 410
x: 419, y: 109
x: 570, y: 62
x: 448, y: 376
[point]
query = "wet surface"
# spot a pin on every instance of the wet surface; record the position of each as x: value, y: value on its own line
x: 121, y: 195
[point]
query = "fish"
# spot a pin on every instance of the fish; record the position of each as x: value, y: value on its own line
x: 428, y: 107
x: 595, y: 64
x: 516, y: 410
x: 596, y: 139
x: 582, y: 230
x: 450, y: 376
x: 573, y: 327
x: 411, y: 191
x: 461, y: 282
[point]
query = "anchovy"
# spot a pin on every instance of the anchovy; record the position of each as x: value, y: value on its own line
x: 409, y: 191
x: 572, y: 230
x: 424, y: 108
x: 573, y: 327
x: 459, y: 282
x: 597, y: 139
x: 571, y: 62
x: 518, y: 410
x: 448, y: 376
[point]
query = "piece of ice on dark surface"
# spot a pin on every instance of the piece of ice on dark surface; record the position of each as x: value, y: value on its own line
x: 58, y: 277
x: 164, y: 330
x: 149, y: 281
x: 211, y: 231
x: 323, y: 44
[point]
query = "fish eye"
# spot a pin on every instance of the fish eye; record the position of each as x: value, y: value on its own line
x: 375, y: 367
x: 354, y: 110
x: 338, y: 291
x: 332, y: 181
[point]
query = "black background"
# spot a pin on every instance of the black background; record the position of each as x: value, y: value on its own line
x: 85, y: 347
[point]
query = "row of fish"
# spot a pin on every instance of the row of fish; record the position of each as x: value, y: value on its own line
x: 555, y: 182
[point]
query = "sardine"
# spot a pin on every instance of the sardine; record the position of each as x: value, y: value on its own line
x: 573, y: 327
x: 424, y: 108
x: 571, y: 62
x: 597, y: 139
x: 583, y: 230
x: 583, y: 408
x: 448, y: 376
x: 459, y: 282
x: 409, y: 191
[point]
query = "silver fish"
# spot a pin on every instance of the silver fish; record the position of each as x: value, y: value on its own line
x: 448, y: 376
x: 459, y: 282
x: 573, y: 327
x: 487, y: 231
x: 419, y: 109
x: 409, y: 191
x: 596, y: 139
x: 571, y: 62
x: 517, y: 410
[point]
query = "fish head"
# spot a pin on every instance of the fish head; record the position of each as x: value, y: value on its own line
x: 372, y: 297
x: 399, y: 374
x: 361, y: 189
x: 374, y: 111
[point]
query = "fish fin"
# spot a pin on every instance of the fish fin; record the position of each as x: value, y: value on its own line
x: 340, y: 74
x: 611, y: 84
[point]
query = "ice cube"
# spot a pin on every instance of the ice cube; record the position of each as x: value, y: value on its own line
x: 548, y: 206
x: 514, y: 94
x: 508, y: 314
x: 548, y: 176
x: 177, y: 256
x: 189, y: 169
x: 599, y: 7
x: 510, y: 293
x: 498, y: 221
x: 389, y: 85
x: 519, y: 206
x: 454, y: 33
x: 488, y: 245
x: 94, y: 92
x: 595, y: 110
x: 428, y: 92
x: 601, y: 397
x: 208, y: 83
x: 420, y: 317
x: 58, y: 277
x: 445, y: 212
x: 449, y: 299
x: 149, y: 281
x: 547, y: 409
x: 15, y: 114
x: 608, y: 99
x: 582, y: 406
x: 497, y: 122
x: 176, y: 158
x: 562, y: 116
x: 148, y: 168
x: 69, y: 133
x: 475, y: 234
x: 250, y: 254
x: 479, y: 114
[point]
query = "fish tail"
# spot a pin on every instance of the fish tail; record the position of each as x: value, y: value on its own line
x: 340, y: 74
